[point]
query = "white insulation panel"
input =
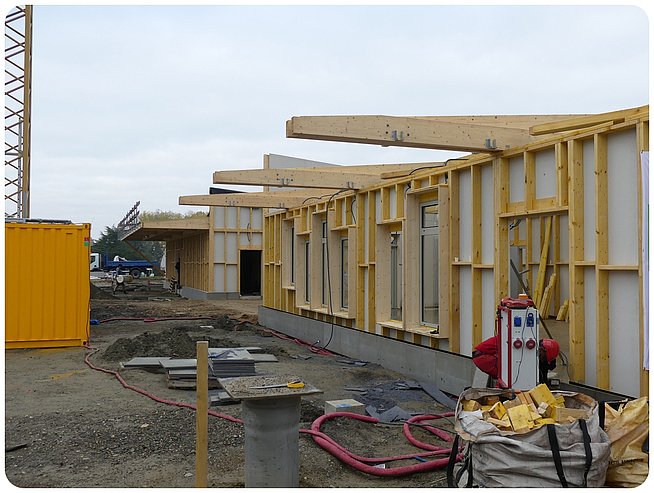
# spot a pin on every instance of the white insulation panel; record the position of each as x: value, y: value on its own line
x: 465, y: 310
x: 219, y: 217
x: 487, y: 215
x: 516, y: 179
x: 219, y: 248
x: 232, y: 279
x: 488, y: 304
x: 590, y: 325
x: 219, y: 278
x: 465, y: 216
x: 623, y: 174
x: 545, y: 174
x: 244, y: 218
x: 257, y: 218
x: 624, y: 332
x: 231, y: 253
x: 231, y: 218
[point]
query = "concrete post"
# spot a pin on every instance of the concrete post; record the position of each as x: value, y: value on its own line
x: 272, y: 442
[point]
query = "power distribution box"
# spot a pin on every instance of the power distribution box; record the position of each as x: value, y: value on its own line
x: 517, y: 325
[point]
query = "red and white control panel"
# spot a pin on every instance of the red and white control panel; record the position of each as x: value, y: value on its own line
x: 517, y: 321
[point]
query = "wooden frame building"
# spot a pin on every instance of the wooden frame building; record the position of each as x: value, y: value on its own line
x: 423, y: 253
x: 219, y: 255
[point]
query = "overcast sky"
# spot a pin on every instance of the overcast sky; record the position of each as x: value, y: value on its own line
x: 144, y: 103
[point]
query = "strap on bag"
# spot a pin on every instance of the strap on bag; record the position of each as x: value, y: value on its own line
x: 556, y: 455
x: 587, y: 449
x: 452, y: 461
x: 452, y: 481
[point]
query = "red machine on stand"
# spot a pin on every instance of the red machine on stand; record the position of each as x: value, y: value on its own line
x: 517, y: 327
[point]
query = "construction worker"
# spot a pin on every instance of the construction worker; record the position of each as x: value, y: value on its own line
x: 548, y: 350
x: 484, y: 356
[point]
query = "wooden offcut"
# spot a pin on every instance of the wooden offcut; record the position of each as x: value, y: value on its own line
x: 201, y: 415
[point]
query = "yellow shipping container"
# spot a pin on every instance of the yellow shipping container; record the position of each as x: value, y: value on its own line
x: 47, y: 286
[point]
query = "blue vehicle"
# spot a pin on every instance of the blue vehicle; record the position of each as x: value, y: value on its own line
x: 136, y: 268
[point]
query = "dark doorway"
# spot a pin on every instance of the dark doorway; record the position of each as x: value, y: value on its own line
x: 250, y: 273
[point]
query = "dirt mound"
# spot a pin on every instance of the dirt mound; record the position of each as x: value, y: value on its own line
x: 100, y: 294
x: 174, y: 343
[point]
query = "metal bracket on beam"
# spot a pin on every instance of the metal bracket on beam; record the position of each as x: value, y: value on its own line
x: 284, y: 182
x: 490, y: 144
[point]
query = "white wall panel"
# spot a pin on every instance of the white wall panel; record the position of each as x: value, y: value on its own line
x: 624, y: 318
x: 564, y: 242
x: 257, y: 218
x: 231, y: 218
x: 465, y: 216
x: 487, y: 216
x: 219, y: 217
x: 219, y: 278
x: 545, y: 174
x: 623, y: 175
x: 232, y: 279
x: 590, y: 345
x: 219, y: 248
x: 244, y: 218
x: 488, y: 304
x: 516, y: 179
x: 465, y: 310
x: 231, y: 255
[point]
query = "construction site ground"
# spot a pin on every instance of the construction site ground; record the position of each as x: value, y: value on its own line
x: 68, y: 425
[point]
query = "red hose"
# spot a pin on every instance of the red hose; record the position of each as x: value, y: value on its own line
x: 148, y: 394
x: 326, y: 442
x: 350, y: 459
x: 438, y: 432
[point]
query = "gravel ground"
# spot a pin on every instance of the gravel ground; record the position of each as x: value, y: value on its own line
x: 67, y: 425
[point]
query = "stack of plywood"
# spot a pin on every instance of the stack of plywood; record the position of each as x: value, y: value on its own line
x: 527, y: 411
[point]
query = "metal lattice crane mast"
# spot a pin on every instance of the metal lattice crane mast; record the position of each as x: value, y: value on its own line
x: 18, y: 97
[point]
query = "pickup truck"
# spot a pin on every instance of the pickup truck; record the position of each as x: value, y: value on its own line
x: 101, y: 262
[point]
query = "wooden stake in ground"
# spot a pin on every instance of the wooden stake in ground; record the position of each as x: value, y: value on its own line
x: 201, y: 414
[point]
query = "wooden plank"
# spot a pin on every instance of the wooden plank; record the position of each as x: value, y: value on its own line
x: 546, y: 298
x: 542, y: 266
x: 563, y: 311
x: 298, y: 178
x: 406, y: 132
x: 201, y: 415
x: 602, y: 257
x: 455, y: 290
x: 501, y: 240
x: 561, y: 156
x: 586, y: 121
x: 444, y: 261
x: 576, y: 307
x: 509, y: 121
x: 250, y: 199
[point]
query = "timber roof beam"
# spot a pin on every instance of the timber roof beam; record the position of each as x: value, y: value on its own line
x: 338, y: 178
x: 428, y: 133
x: 273, y: 200
x: 589, y: 120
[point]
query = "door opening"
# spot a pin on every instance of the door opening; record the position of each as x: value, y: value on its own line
x: 250, y: 272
